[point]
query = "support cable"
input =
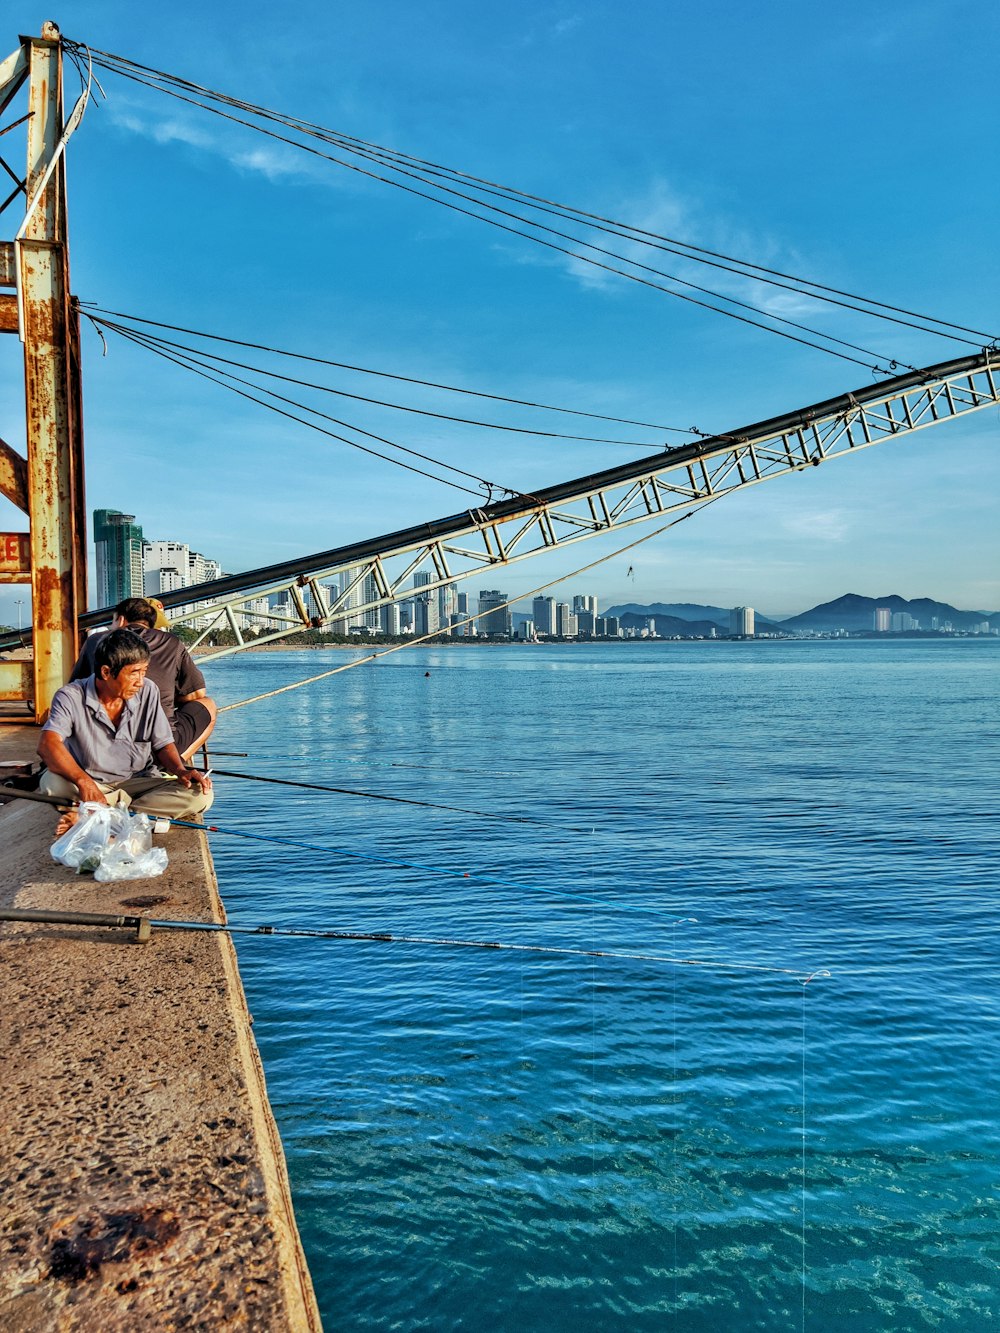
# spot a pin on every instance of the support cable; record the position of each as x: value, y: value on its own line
x: 402, y: 162
x: 178, y: 360
x: 872, y: 356
x: 100, y: 314
x: 100, y: 320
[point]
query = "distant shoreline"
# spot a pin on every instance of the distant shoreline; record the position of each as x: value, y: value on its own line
x: 380, y: 649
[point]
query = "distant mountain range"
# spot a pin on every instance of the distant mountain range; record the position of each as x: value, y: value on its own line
x: 686, y: 618
x: 854, y: 612
x: 850, y: 612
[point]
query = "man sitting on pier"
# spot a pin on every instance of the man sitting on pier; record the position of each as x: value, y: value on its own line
x: 103, y: 733
x: 189, y: 711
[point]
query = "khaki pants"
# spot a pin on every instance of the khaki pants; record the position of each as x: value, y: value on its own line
x: 152, y: 796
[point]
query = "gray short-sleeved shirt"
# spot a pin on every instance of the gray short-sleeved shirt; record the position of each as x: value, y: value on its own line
x: 171, y: 667
x: 78, y: 716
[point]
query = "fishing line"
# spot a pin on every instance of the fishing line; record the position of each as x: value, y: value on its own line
x: 424, y: 638
x: 608, y: 837
x: 593, y: 1050
x: 802, y: 1169
x: 424, y: 869
x: 10, y: 793
x: 675, y: 1100
x: 441, y: 871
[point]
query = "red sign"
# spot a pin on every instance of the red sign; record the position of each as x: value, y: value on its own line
x: 15, y: 553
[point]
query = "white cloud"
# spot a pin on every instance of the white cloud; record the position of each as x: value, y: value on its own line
x: 824, y: 525
x: 272, y: 160
x: 658, y: 210
x: 566, y: 25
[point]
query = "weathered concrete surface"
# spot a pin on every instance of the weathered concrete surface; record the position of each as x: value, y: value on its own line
x: 141, y: 1173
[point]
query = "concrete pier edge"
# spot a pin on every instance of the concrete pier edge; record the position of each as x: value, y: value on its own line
x: 142, y: 1172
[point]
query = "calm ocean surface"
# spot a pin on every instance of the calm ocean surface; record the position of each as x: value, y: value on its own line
x: 528, y: 1141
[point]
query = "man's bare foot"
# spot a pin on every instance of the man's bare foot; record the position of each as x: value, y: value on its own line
x: 66, y: 822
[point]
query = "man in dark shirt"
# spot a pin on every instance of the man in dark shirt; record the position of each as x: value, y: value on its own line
x: 190, y: 712
x: 107, y: 740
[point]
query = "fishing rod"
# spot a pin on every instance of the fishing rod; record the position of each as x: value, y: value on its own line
x: 144, y: 927
x: 376, y: 763
x: 401, y: 800
x: 65, y: 803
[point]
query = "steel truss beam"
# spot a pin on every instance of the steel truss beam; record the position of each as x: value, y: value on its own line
x: 480, y: 541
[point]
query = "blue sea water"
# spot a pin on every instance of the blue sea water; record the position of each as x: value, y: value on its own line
x: 489, y: 1140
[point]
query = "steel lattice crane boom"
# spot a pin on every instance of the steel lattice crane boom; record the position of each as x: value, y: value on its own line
x: 382, y: 570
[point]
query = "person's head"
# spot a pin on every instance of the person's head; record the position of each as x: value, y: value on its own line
x: 120, y: 663
x: 136, y: 611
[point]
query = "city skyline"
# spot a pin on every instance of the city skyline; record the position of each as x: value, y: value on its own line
x: 374, y: 277
x: 129, y: 565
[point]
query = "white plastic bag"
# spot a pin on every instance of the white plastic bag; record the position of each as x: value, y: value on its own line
x: 113, y: 844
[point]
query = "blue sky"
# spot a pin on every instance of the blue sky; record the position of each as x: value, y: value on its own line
x: 846, y: 145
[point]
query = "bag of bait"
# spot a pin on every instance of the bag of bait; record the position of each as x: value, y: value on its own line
x: 111, y: 844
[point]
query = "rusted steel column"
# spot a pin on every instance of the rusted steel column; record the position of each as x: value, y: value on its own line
x: 55, y: 473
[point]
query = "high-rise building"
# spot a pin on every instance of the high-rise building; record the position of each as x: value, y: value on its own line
x: 741, y: 622
x: 903, y: 621
x: 882, y: 620
x: 565, y: 621
x: 583, y: 604
x: 165, y: 578
x: 352, y: 588
x: 255, y: 616
x: 544, y: 613
x: 372, y: 617
x: 391, y: 619
x: 118, y: 544
x: 167, y: 555
x: 427, y: 618
x: 169, y: 565
x: 202, y: 569
x: 498, y: 619
x: 447, y: 603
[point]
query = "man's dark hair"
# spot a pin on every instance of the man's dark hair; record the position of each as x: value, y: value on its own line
x: 137, y: 611
x: 120, y: 648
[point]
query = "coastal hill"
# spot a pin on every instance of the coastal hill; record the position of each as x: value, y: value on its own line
x: 685, y: 618
x: 850, y: 612
x: 853, y: 612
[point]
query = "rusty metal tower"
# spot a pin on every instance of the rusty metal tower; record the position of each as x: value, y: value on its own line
x: 46, y: 481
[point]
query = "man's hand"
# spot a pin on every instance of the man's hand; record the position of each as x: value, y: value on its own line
x: 171, y: 762
x: 89, y: 790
